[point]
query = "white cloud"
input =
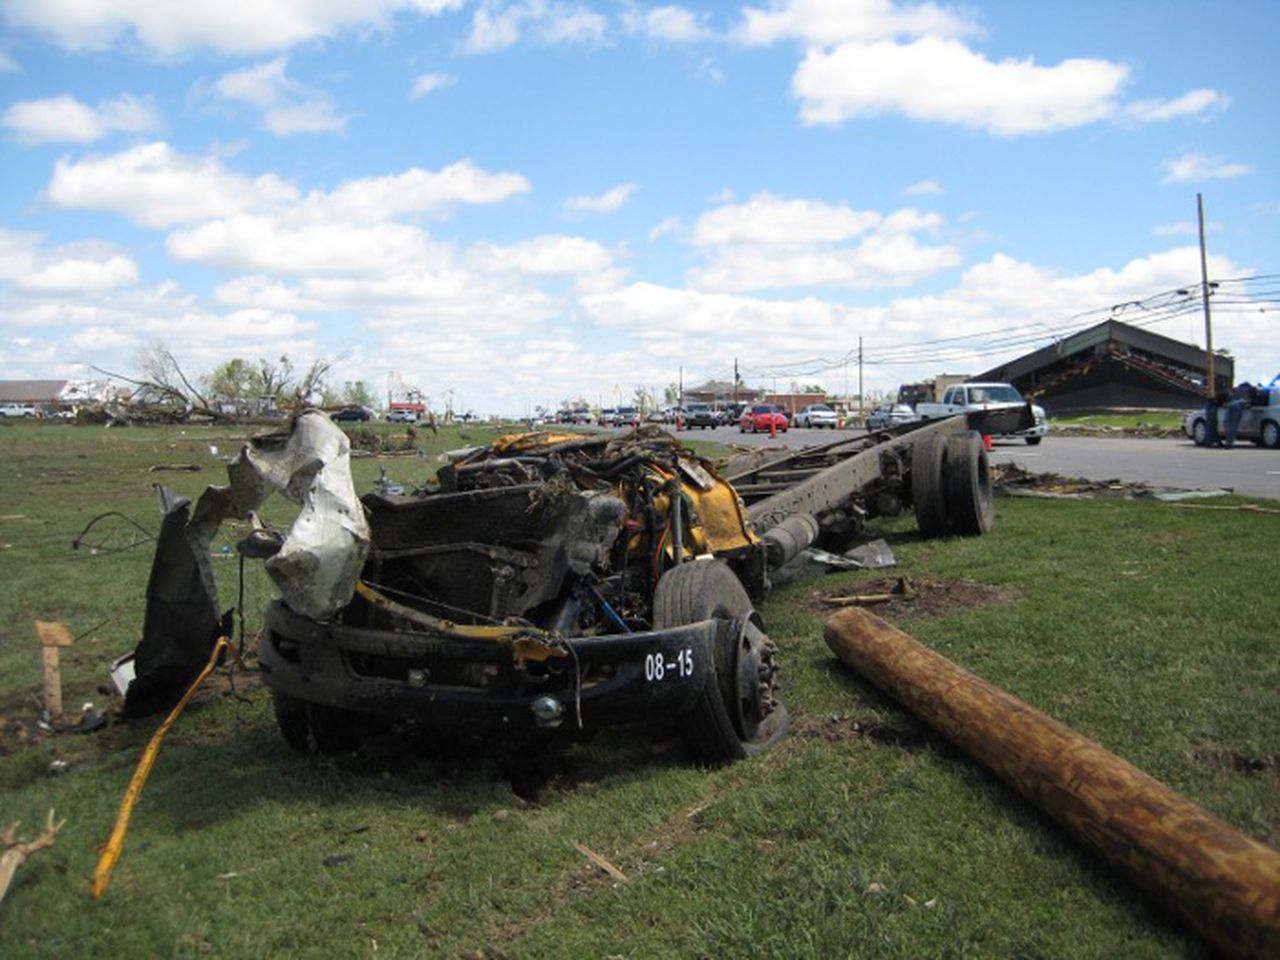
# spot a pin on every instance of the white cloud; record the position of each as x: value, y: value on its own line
x: 767, y: 219
x: 8, y: 64
x: 156, y: 186
x: 671, y: 24
x: 426, y: 83
x: 607, y: 202
x: 770, y: 242
x: 1198, y: 166
x: 73, y: 269
x: 667, y: 225
x: 287, y: 107
x: 550, y: 255
x: 940, y: 80
x: 268, y: 245
x: 65, y: 119
x: 924, y: 188
x: 829, y: 22
x: 171, y: 28
x: 498, y: 24
x: 1185, y: 228
x: 1194, y: 103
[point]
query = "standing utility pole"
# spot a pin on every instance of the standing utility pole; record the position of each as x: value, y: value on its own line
x: 680, y: 401
x: 1209, y: 385
x: 859, y: 376
x: 735, y: 381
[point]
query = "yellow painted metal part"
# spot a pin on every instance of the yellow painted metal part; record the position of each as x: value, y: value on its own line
x: 527, y: 642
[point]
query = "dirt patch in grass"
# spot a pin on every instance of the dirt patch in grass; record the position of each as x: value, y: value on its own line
x: 1221, y: 758
x: 912, y: 596
x: 839, y: 727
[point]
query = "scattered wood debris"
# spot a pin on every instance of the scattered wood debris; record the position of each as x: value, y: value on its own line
x: 13, y: 853
x: 601, y: 862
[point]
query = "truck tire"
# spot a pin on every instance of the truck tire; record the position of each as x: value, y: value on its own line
x: 928, y: 489
x: 716, y: 730
x: 324, y: 729
x: 1033, y: 441
x: 970, y: 500
x: 291, y: 718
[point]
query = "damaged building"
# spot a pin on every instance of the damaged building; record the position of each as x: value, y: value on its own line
x: 1114, y: 365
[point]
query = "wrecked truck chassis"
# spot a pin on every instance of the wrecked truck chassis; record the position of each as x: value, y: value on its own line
x: 599, y: 681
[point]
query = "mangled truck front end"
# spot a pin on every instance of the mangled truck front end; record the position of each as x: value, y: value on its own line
x: 546, y: 582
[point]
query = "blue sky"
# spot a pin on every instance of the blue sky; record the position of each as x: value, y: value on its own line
x: 515, y: 203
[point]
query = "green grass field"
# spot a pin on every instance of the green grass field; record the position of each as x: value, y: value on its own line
x: 1140, y: 624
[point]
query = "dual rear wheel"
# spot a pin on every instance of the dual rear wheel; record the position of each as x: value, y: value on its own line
x: 951, y: 485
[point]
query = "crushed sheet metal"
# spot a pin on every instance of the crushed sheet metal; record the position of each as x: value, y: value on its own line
x: 317, y: 567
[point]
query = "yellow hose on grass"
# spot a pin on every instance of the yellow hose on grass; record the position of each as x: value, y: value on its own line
x: 107, y: 862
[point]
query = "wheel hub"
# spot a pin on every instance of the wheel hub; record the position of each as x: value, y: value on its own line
x: 755, y: 671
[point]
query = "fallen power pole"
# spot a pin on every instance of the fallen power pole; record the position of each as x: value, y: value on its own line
x: 1224, y: 884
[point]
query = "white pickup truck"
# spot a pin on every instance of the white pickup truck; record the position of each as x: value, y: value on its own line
x: 967, y: 397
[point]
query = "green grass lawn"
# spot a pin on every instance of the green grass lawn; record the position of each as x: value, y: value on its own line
x: 1170, y: 419
x: 1139, y: 624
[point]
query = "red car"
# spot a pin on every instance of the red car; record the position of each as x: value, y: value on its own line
x: 763, y: 416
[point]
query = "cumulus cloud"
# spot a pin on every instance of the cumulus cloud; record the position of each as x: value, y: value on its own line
x: 8, y: 64
x: 156, y: 186
x: 831, y: 22
x: 1192, y: 167
x: 498, y: 24
x: 671, y: 24
x: 72, y: 269
x: 941, y: 80
x: 426, y: 83
x: 287, y: 107
x: 1194, y: 103
x: 607, y: 202
x: 65, y: 119
x: 924, y: 188
x: 770, y: 242
x: 171, y: 28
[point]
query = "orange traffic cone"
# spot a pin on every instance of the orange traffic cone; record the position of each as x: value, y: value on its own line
x: 679, y: 423
x: 986, y: 442
x: 773, y: 427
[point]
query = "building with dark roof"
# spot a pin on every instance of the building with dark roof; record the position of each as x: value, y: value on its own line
x: 1111, y: 365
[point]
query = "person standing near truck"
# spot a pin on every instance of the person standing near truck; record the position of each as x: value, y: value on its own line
x: 1240, y: 397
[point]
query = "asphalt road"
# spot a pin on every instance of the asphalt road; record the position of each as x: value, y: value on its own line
x: 1172, y: 462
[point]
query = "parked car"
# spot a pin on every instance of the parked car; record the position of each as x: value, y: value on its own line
x: 402, y: 416
x: 763, y: 416
x: 700, y: 415
x: 352, y: 415
x: 18, y: 410
x: 1259, y: 421
x: 817, y: 416
x: 627, y: 417
x: 890, y: 415
x: 968, y: 397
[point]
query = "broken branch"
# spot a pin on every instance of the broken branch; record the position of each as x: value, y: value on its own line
x: 15, y: 854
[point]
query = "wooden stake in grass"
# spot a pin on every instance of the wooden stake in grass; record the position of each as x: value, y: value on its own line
x: 52, y: 634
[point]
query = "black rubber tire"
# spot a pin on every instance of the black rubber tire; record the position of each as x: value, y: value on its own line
x: 291, y: 718
x: 1269, y: 436
x: 928, y: 487
x: 970, y: 498
x: 1200, y: 432
x: 333, y: 730
x: 695, y: 591
x: 1034, y: 441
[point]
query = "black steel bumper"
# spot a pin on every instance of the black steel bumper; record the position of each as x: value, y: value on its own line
x: 605, y: 680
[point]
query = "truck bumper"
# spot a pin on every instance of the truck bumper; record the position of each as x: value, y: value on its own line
x: 444, y: 681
